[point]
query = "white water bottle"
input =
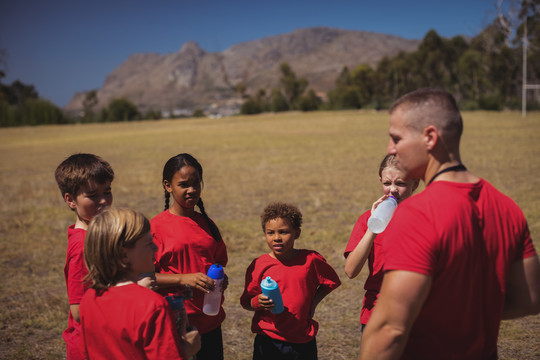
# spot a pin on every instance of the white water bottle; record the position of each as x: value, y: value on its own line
x: 380, y: 217
x: 212, y: 300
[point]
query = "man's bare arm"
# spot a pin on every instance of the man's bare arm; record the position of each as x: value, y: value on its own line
x: 401, y: 298
x: 523, y: 289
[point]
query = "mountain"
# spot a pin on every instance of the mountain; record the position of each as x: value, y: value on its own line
x: 193, y: 77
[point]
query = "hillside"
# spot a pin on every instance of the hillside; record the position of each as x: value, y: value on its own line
x: 193, y: 77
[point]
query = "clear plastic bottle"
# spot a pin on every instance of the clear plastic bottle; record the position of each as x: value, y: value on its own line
x: 380, y: 217
x: 270, y: 288
x: 212, y: 300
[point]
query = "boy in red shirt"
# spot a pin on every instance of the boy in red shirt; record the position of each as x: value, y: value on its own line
x: 304, y: 278
x: 85, y: 184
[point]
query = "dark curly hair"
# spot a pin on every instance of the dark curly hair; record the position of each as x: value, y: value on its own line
x: 284, y: 211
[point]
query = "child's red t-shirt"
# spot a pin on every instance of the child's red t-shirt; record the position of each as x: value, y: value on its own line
x: 185, y: 245
x: 128, y: 322
x: 74, y: 272
x: 298, y: 279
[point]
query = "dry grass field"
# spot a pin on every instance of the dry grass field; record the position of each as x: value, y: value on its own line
x: 325, y: 162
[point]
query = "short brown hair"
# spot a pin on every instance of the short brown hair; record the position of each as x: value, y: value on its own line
x: 284, y: 211
x: 432, y: 106
x: 108, y: 233
x: 75, y: 172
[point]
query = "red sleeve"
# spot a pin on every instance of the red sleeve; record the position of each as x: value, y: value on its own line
x: 76, y: 271
x: 358, y: 232
x: 252, y: 287
x: 411, y: 248
x: 326, y: 274
x: 160, y: 336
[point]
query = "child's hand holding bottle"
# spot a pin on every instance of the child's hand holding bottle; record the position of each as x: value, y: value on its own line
x: 148, y: 280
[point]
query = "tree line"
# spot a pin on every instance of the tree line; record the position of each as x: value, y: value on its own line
x: 484, y: 72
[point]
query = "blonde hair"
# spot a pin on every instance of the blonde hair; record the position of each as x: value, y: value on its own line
x: 108, y: 233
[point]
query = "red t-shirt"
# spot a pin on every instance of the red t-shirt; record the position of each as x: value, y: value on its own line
x: 298, y: 279
x: 128, y: 322
x: 74, y: 272
x: 375, y: 263
x: 186, y: 246
x: 465, y: 236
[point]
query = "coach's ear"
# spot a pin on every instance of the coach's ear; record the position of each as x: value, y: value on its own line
x: 431, y: 137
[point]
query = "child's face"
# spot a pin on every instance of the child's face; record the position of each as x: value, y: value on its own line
x: 185, y: 187
x: 280, y: 237
x: 90, y: 201
x: 140, y: 258
x: 393, y: 184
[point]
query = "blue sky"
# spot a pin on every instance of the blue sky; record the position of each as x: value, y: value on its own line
x: 63, y: 46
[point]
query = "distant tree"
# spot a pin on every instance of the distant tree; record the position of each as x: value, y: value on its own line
x: 241, y: 89
x: 120, y: 110
x: 251, y: 106
x: 363, y: 80
x: 198, y: 113
x: 17, y: 93
x: 278, y: 102
x: 310, y: 101
x: 89, y: 102
x: 152, y: 114
x: 293, y: 87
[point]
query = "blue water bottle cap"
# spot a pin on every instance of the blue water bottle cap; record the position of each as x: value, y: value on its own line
x: 269, y: 283
x: 216, y: 272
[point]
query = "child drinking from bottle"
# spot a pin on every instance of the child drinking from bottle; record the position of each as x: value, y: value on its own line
x: 119, y: 318
x: 304, y: 278
x: 365, y: 245
x: 188, y: 243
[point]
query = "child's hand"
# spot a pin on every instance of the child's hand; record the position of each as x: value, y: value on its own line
x: 191, y: 342
x: 199, y: 281
x: 148, y: 280
x: 265, y: 302
x: 376, y: 203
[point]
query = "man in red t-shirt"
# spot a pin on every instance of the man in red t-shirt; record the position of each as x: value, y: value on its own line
x: 458, y: 256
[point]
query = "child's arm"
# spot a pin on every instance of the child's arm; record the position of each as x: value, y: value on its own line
x: 191, y: 342
x: 320, y: 294
x: 259, y: 302
x: 195, y: 281
x: 357, y: 258
x: 75, y: 312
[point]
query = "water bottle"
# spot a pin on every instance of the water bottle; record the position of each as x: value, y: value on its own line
x: 180, y: 315
x: 212, y: 300
x: 270, y: 288
x: 380, y: 217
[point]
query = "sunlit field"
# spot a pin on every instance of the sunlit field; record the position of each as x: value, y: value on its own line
x: 324, y: 162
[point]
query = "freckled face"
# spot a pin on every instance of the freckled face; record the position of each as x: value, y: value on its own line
x: 280, y: 237
x: 393, y: 184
